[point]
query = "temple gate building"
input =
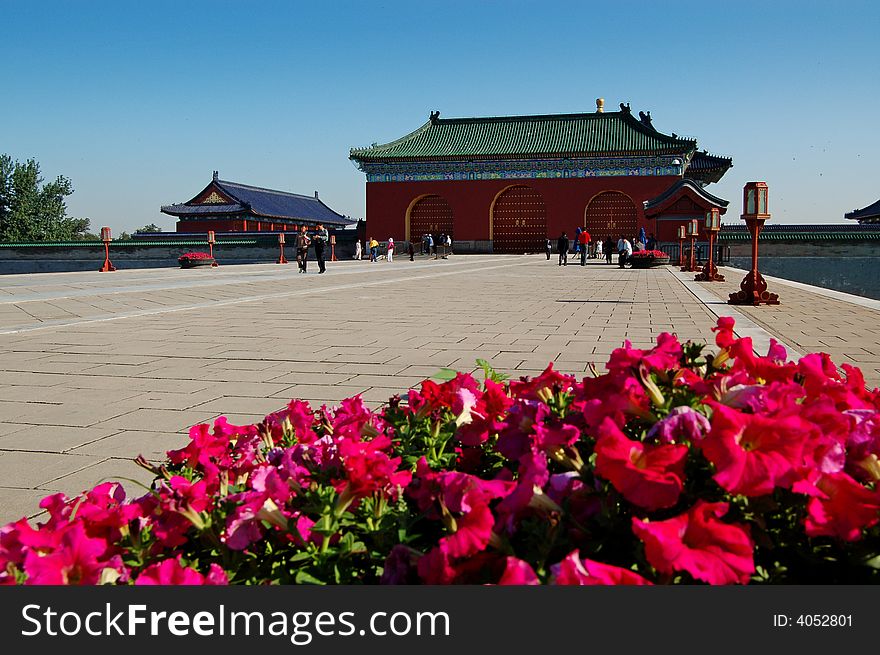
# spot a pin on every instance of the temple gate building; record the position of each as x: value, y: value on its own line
x: 225, y: 206
x: 869, y: 215
x: 506, y: 184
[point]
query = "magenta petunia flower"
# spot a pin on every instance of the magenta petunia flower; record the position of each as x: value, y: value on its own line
x: 75, y: 559
x: 699, y: 543
x: 651, y: 477
x: 753, y: 454
x: 841, y: 508
x: 517, y: 572
x: 173, y: 572
x: 576, y: 571
x: 682, y: 425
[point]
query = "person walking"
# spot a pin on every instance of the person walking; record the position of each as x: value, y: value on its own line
x: 390, y: 255
x: 609, y: 250
x: 562, y: 248
x: 374, y: 250
x: 302, y: 248
x: 549, y: 248
x: 599, y: 249
x: 584, y: 239
x: 320, y: 239
x: 357, y: 249
x: 624, y: 250
x: 411, y: 250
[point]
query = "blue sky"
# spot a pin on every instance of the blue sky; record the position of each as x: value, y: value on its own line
x: 138, y: 102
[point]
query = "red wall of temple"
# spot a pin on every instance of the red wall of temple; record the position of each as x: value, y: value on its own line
x: 565, y: 200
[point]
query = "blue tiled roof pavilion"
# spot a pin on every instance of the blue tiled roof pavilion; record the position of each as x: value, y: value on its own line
x: 233, y: 201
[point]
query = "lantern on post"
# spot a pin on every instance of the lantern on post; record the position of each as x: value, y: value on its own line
x: 681, y: 237
x: 713, y: 226
x: 333, y: 248
x: 106, y: 237
x: 693, y: 228
x: 753, y: 288
x: 211, y: 241
x: 281, y: 258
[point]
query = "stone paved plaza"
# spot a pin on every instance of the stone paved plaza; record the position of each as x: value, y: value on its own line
x: 96, y: 368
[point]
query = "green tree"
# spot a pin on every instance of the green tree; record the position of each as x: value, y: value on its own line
x: 33, y: 211
x: 149, y: 229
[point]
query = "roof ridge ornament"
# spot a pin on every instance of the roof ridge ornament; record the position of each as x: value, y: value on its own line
x: 645, y: 117
x: 434, y: 116
x: 625, y: 108
x: 216, y: 175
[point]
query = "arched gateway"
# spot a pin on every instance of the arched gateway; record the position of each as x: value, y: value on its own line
x: 518, y: 221
x: 428, y: 215
x: 611, y: 214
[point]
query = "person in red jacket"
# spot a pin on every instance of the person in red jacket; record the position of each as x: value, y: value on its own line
x: 584, y: 240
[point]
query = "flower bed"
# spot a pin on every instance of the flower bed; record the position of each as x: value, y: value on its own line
x: 648, y: 258
x: 674, y: 466
x: 193, y: 259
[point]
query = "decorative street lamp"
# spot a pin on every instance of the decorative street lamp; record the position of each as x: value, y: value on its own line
x: 106, y: 237
x: 753, y: 288
x: 281, y: 258
x: 211, y: 241
x: 713, y: 226
x: 681, y: 236
x: 693, y: 228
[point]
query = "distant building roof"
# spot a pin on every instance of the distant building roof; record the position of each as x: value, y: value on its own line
x: 870, y: 214
x: 685, y: 186
x: 587, y: 134
x: 782, y: 232
x: 222, y: 197
x: 707, y: 168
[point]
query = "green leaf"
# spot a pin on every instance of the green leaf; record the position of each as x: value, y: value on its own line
x: 444, y: 374
x: 304, y: 577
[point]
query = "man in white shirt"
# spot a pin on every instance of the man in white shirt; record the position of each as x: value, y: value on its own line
x: 624, y: 250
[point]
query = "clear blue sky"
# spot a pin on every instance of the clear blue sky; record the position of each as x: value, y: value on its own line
x: 138, y: 102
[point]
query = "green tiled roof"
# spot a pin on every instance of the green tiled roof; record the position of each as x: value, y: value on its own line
x: 590, y: 134
x: 739, y: 232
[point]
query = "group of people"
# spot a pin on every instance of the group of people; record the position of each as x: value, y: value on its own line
x: 430, y: 245
x: 373, y: 247
x: 318, y: 240
x: 584, y: 247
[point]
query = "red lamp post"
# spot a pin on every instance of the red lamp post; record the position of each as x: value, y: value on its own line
x: 693, y: 228
x: 333, y: 248
x: 106, y: 237
x: 713, y: 226
x: 753, y: 288
x: 281, y: 258
x: 681, y: 237
x: 211, y: 241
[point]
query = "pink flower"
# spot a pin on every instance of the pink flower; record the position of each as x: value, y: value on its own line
x: 517, y: 572
x: 754, y: 454
x: 533, y: 388
x: 368, y: 469
x: 664, y: 356
x: 648, y: 476
x: 841, y: 508
x: 724, y: 336
x: 555, y: 435
x: 576, y: 571
x: 173, y: 572
x: 682, y: 425
x: 699, y: 543
x: 75, y: 559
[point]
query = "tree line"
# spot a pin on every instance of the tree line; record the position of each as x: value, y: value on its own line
x: 34, y: 210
